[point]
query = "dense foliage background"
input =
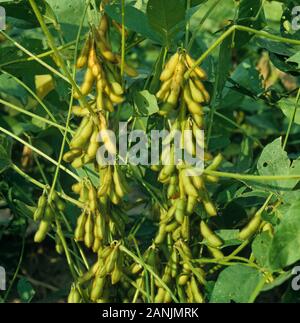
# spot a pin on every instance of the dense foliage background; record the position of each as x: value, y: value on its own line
x: 252, y: 120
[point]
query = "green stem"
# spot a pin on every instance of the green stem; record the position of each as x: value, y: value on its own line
x: 123, y: 41
x: 50, y: 68
x: 292, y: 120
x: 207, y: 14
x: 220, y: 115
x: 17, y: 269
x: 28, y: 89
x: 228, y: 32
x: 41, y: 55
x: 148, y: 268
x: 59, y: 58
x: 43, y: 186
x: 61, y: 153
x: 66, y: 249
x: 187, y: 26
x: 257, y: 290
x: 51, y: 160
x: 35, y: 116
x: 251, y: 177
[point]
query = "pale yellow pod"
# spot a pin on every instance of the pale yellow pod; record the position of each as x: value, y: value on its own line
x: 198, y: 182
x: 203, y: 90
x: 89, y: 231
x: 106, y: 179
x: 198, y: 135
x: 197, y: 95
x: 170, y: 67
x: 118, y: 185
x: 165, y: 87
x: 212, y: 179
x: 197, y: 295
x: 130, y: 71
x: 93, y: 198
x: 113, y: 196
x: 72, y: 154
x: 179, y: 74
x: 188, y: 186
x: 109, y: 145
x: 88, y: 82
x: 108, y: 105
x: 198, y: 70
x: 79, y: 111
x: 80, y: 227
x: 94, y: 144
x: 208, y: 204
x: 41, y: 234
x: 160, y: 296
x: 83, y: 58
x: 216, y: 253
x: 115, y: 86
x: 212, y: 239
x: 217, y: 161
x: 198, y: 120
x: 103, y: 25
x: 105, y: 52
x: 173, y: 97
x: 116, y: 98
x: 195, y: 108
x: 251, y: 228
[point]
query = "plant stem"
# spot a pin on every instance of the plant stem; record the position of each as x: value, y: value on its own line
x: 35, y: 116
x: 123, y: 41
x: 51, y: 160
x: 292, y: 120
x: 220, y: 115
x: 143, y: 264
x: 207, y: 14
x: 50, y: 68
x: 251, y: 177
x: 187, y: 26
x: 41, y: 55
x: 257, y: 290
x: 228, y: 32
x: 38, y: 100
x: 17, y: 269
x: 43, y: 186
x: 60, y: 60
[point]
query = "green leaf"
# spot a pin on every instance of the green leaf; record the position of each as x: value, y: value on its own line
x: 224, y: 65
x: 235, y: 283
x: 287, y: 105
x: 10, y: 88
x: 260, y: 249
x: 229, y: 237
x: 25, y: 290
x: 278, y: 281
x: 274, y: 161
x: 246, y: 76
x: 68, y: 14
x: 155, y: 82
x: 275, y: 47
x: 145, y: 103
x: 195, y: 3
x: 166, y: 18
x: 135, y: 20
x: 5, y: 153
x: 246, y: 156
x: 251, y: 14
x: 295, y: 59
x: 20, y: 10
x: 285, y: 247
